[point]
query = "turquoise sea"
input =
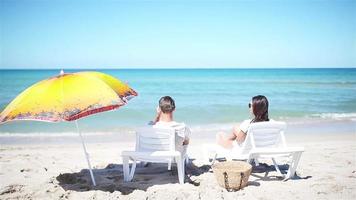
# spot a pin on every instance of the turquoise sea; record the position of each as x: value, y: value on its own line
x: 203, y: 96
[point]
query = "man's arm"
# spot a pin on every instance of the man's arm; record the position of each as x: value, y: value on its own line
x: 156, y: 119
x: 186, y: 136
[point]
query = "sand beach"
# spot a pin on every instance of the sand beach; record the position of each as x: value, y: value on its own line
x: 54, y: 167
x: 107, y: 68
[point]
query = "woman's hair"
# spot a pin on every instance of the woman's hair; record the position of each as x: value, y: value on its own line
x: 260, y: 108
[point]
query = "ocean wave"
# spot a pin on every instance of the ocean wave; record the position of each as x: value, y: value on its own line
x: 335, y: 116
x: 65, y: 134
x: 212, y: 127
x: 201, y: 128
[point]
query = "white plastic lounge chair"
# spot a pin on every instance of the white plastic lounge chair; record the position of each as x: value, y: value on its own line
x: 154, y: 145
x: 263, y: 140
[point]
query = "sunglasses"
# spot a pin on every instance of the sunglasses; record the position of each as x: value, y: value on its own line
x: 249, y: 105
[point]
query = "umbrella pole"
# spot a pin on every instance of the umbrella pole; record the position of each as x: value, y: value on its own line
x: 86, y: 154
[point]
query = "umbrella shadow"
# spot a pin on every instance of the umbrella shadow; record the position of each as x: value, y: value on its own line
x: 110, y: 178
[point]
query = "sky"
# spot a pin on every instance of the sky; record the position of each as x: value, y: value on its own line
x: 177, y: 34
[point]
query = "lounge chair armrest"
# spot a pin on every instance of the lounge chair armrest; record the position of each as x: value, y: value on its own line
x: 277, y: 150
x: 157, y: 154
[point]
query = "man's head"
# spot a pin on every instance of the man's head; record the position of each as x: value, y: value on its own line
x: 166, y: 104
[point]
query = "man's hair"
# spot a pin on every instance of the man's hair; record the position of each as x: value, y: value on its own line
x: 166, y: 104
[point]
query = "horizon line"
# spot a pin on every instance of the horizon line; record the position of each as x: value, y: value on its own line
x: 172, y: 68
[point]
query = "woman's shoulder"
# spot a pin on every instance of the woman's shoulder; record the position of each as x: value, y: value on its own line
x: 244, y: 125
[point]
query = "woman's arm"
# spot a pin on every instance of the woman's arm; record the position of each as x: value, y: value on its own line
x: 226, y: 141
x: 239, y: 135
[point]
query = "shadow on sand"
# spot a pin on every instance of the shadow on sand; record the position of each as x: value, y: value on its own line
x: 110, y: 178
x: 265, y: 169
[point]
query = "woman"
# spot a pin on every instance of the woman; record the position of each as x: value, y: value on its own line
x: 259, y: 108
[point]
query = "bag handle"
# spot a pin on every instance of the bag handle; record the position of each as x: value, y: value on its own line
x: 241, y: 179
x: 226, y: 181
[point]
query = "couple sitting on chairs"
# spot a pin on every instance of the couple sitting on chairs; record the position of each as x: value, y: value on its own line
x: 167, y: 140
x: 164, y: 119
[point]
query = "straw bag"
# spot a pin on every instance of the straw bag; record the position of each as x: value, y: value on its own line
x: 232, y: 175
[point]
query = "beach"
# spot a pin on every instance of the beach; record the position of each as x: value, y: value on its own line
x: 54, y: 167
x: 46, y: 161
x: 78, y: 79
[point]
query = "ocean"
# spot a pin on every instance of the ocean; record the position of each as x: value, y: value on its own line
x: 203, y: 96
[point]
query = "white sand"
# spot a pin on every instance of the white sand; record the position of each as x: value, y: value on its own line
x: 327, y: 170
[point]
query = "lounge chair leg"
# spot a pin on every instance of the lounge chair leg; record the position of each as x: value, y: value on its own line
x: 180, y: 169
x: 293, y: 165
x: 277, y: 168
x: 256, y: 162
x: 250, y: 159
x: 126, y: 168
x: 214, y: 158
x: 170, y: 165
x: 183, y: 168
x: 132, y: 171
x: 186, y: 159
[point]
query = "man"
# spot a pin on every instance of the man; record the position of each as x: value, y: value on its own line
x: 164, y: 119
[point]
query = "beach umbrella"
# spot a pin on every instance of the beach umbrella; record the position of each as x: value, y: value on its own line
x: 68, y: 97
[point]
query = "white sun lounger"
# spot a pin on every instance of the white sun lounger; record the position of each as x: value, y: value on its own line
x: 154, y: 145
x: 264, y: 140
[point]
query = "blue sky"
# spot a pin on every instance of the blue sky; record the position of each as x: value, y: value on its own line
x: 178, y: 34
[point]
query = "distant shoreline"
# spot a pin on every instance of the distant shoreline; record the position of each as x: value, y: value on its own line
x: 296, y: 130
x: 182, y: 68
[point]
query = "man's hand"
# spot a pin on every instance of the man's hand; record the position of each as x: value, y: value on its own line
x: 158, y: 110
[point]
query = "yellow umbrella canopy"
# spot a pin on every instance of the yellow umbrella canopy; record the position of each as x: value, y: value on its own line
x: 67, y: 97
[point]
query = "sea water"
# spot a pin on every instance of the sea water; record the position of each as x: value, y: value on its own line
x: 203, y: 96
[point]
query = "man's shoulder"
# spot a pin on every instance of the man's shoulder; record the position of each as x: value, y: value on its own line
x: 173, y: 124
x: 179, y: 126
